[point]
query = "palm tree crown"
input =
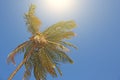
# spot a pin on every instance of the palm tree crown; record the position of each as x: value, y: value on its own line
x: 44, y: 51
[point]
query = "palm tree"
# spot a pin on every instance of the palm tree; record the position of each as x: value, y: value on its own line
x: 44, y: 51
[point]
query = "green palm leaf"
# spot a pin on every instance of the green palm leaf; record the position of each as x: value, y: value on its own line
x: 32, y: 21
x: 60, y: 36
x: 58, y: 55
x: 39, y: 70
x: 68, y: 44
x: 59, y: 27
x: 47, y: 63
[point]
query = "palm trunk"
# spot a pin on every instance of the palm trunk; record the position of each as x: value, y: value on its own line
x: 21, y: 64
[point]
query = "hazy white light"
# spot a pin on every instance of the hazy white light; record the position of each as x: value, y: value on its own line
x: 58, y: 6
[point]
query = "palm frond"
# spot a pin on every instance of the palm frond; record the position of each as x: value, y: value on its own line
x: 60, y: 36
x: 20, y: 48
x: 28, y: 48
x: 28, y: 64
x: 32, y: 21
x: 47, y: 63
x: 27, y: 74
x: 59, y: 28
x: 39, y: 70
x: 68, y: 44
x: 54, y: 59
x: 59, y: 71
x: 57, y: 54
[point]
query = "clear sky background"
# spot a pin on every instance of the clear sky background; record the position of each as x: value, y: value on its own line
x: 98, y: 37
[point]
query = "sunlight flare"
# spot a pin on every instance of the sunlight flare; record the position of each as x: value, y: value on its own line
x: 58, y: 6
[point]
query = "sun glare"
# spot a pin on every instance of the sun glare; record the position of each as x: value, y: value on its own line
x: 58, y: 6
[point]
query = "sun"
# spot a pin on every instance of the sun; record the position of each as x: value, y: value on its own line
x: 58, y: 6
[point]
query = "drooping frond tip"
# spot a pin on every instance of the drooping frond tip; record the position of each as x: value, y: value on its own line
x: 20, y: 48
x: 32, y: 21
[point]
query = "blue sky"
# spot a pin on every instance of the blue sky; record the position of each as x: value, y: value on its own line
x: 98, y: 40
